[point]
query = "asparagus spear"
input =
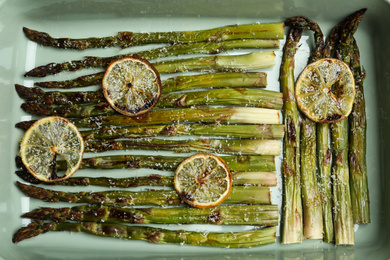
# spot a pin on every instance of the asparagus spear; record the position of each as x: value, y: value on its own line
x: 239, y: 178
x: 238, y: 131
x: 220, y: 63
x: 311, y: 199
x: 209, y: 80
x: 357, y: 146
x: 343, y: 218
x: 266, y: 215
x: 237, y: 96
x: 37, y: 95
x: 166, y: 163
x: 324, y: 153
x: 171, y: 50
x: 229, y: 115
x: 325, y: 183
x: 292, y: 209
x: 227, y: 146
x: 241, y: 62
x: 226, y: 96
x: 153, y: 235
x: 127, y: 39
x: 222, y: 79
x: 150, y: 180
x: 82, y: 81
x: 239, y: 195
x: 254, y: 178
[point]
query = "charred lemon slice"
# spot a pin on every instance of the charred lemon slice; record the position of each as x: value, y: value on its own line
x: 131, y: 86
x: 203, y: 180
x: 46, y: 139
x: 325, y: 91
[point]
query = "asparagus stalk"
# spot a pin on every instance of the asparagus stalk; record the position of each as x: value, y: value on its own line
x: 166, y: 163
x: 239, y: 195
x: 325, y: 182
x: 37, y: 95
x: 231, y: 115
x: 311, y: 198
x: 237, y: 96
x: 209, y: 80
x: 171, y: 50
x: 292, y: 209
x: 357, y: 146
x: 242, y: 62
x: 324, y: 153
x: 254, y: 178
x: 150, y: 180
x: 79, y: 82
x: 265, y: 215
x: 343, y: 217
x: 153, y: 235
x: 222, y: 79
x: 218, y: 63
x: 228, y: 115
x: 127, y: 39
x: 237, y: 131
x: 239, y: 178
x: 226, y: 96
x: 227, y: 146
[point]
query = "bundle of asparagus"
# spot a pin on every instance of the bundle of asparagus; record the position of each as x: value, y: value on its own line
x: 236, y: 119
x: 342, y: 43
x: 303, y: 215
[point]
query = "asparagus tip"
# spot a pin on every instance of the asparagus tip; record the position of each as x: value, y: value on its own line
x: 24, y: 187
x: 40, y: 37
x: 35, y: 214
x: 28, y: 93
x: 18, y: 162
x: 31, y: 230
x: 24, y: 125
x: 33, y: 191
x: 43, y: 71
x: 26, y: 176
x: 36, y: 109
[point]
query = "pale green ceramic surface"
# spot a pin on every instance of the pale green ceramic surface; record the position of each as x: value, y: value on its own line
x: 102, y: 18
